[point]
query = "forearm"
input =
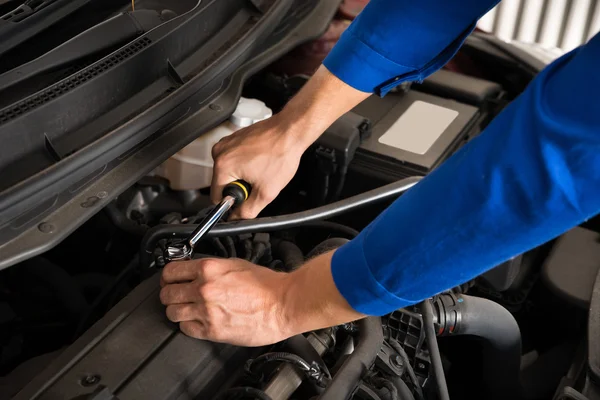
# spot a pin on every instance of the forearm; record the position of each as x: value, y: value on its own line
x: 312, y: 300
x: 531, y: 175
x: 322, y: 100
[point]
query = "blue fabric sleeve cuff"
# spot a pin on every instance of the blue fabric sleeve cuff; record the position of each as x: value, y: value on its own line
x: 361, y: 67
x: 354, y: 280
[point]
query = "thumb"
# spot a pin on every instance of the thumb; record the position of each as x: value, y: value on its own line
x: 218, y: 183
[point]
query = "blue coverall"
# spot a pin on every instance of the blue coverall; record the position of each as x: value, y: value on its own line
x: 530, y: 176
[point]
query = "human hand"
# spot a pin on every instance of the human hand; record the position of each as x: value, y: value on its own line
x: 267, y: 154
x: 237, y: 302
x: 226, y: 300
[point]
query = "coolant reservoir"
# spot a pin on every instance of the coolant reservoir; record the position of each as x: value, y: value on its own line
x: 192, y: 167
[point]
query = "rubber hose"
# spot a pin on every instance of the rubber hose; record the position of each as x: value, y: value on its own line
x: 289, y: 253
x: 501, y: 337
x: 409, y: 368
x: 270, y: 224
x: 404, y: 392
x: 325, y: 246
x: 392, y: 391
x: 434, y: 351
x: 258, y: 252
x: 281, y: 356
x: 369, y: 342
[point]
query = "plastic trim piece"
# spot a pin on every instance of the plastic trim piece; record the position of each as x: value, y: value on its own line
x: 60, y: 181
x: 58, y: 224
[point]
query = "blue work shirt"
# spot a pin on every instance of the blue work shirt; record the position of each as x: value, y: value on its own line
x: 530, y: 176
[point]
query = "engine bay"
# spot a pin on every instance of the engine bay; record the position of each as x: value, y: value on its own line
x: 84, y: 320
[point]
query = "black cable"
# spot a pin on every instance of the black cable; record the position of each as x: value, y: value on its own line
x: 313, y: 372
x: 230, y: 246
x: 409, y: 369
x: 258, y: 252
x: 219, y: 246
x: 245, y: 392
x: 434, y: 351
x: 247, y: 249
x: 340, y: 184
x: 255, y: 364
x: 281, y: 222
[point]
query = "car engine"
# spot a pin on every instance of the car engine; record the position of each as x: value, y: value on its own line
x: 84, y: 321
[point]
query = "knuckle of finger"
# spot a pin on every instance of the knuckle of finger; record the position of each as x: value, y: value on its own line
x: 164, y: 295
x: 247, y: 213
x: 206, y: 291
x: 206, y: 264
x: 192, y: 329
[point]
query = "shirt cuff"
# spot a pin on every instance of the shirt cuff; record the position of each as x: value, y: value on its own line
x: 361, y: 67
x: 354, y: 280
x: 358, y: 65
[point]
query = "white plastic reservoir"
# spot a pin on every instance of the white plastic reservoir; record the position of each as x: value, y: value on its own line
x: 192, y: 167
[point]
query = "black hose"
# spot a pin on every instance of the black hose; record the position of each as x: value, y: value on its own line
x: 259, y: 250
x: 380, y: 382
x: 326, y: 245
x: 290, y: 254
x: 270, y: 224
x: 300, y: 346
x: 498, y: 329
x: 409, y: 368
x: 244, y: 392
x: 434, y: 351
x: 404, y: 392
x: 369, y: 342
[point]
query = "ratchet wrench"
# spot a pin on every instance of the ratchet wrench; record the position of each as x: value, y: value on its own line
x: 234, y: 194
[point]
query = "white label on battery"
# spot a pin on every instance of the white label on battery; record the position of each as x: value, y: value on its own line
x: 419, y: 127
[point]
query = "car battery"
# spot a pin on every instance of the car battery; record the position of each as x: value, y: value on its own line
x: 412, y: 133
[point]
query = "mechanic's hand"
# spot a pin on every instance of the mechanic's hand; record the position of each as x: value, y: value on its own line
x: 267, y: 154
x: 226, y: 300
x: 264, y: 155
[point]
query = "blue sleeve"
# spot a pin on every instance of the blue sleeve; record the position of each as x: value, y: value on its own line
x: 392, y: 41
x: 530, y: 176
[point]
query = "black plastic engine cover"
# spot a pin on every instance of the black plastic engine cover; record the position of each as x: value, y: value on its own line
x: 134, y: 352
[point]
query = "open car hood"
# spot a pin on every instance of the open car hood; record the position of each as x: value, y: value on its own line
x: 77, y: 143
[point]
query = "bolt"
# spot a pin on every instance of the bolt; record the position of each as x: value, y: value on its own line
x: 90, y: 380
x: 397, y: 361
x: 215, y: 107
x: 45, y: 227
x: 421, y: 366
x: 102, y: 194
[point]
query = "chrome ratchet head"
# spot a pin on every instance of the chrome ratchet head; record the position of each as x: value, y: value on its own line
x: 178, y: 251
